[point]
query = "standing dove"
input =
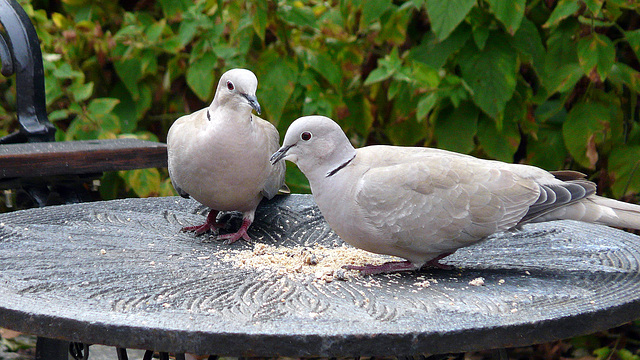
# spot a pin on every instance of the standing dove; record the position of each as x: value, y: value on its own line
x: 220, y: 155
x: 422, y: 204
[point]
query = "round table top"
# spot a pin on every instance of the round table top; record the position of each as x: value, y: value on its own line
x: 121, y: 273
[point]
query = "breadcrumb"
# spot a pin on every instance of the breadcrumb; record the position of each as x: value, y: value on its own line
x: 325, y: 264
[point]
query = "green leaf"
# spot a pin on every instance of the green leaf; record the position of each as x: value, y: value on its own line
x: 81, y: 92
x: 386, y: 68
x: 455, y: 128
x: 551, y: 111
x: 129, y: 71
x: 298, y: 15
x: 594, y: 6
x: 585, y: 128
x: 563, y: 9
x: 406, y: 133
x: 144, y: 182
x: 102, y: 106
x: 625, y: 354
x: 602, y: 353
x: 480, y: 36
x: 564, y: 78
x: 260, y: 18
x: 596, y: 51
x: 129, y: 111
x: 500, y: 139
x: 358, y: 115
x: 435, y: 53
x: 166, y: 188
x: 424, y: 75
x: 372, y: 10
x: 66, y: 72
x: 173, y: 7
x: 561, y: 49
x: 446, y: 15
x: 528, y: 41
x: 547, y: 149
x: 509, y: 12
x: 186, y: 32
x: 201, y: 76
x: 97, y: 121
x: 278, y: 77
x: 426, y: 103
x: 58, y: 115
x: 490, y: 73
x: 324, y: 64
x: 154, y: 31
x: 394, y: 87
x: 622, y: 74
x: 455, y: 89
x: 633, y: 38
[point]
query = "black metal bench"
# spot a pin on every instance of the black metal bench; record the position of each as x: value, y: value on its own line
x: 42, y: 171
x: 39, y: 170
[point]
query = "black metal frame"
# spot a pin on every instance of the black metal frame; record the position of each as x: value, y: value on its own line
x: 21, y: 55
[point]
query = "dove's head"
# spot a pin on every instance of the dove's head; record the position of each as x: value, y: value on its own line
x: 316, y: 144
x: 237, y: 89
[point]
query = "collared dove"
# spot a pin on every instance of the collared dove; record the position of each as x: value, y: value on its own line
x: 219, y: 155
x: 422, y: 204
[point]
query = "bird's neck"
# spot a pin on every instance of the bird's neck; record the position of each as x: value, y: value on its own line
x: 320, y: 169
x: 229, y: 112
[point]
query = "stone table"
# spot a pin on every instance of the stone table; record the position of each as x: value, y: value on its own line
x: 120, y: 273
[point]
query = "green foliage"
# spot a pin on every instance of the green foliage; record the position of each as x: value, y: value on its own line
x: 553, y: 83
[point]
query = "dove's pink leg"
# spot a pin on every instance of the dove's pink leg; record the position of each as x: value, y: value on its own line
x: 388, y: 267
x: 241, y: 233
x: 434, y: 262
x: 210, y: 225
x: 396, y: 266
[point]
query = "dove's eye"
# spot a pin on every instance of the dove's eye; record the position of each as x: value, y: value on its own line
x: 306, y: 136
x: 230, y: 85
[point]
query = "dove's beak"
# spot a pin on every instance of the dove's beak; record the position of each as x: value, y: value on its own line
x: 280, y: 154
x: 253, y: 101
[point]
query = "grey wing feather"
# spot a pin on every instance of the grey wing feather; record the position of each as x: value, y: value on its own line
x: 554, y: 196
x: 170, y: 136
x: 179, y: 190
x: 444, y: 199
x: 275, y: 181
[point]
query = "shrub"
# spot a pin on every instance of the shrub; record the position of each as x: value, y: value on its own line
x: 550, y: 83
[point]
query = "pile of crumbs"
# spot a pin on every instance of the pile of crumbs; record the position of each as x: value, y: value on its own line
x: 325, y: 263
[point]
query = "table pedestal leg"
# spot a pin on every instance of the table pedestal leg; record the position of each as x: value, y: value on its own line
x: 52, y: 349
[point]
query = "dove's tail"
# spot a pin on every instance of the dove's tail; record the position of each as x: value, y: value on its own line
x: 599, y: 210
x: 615, y: 213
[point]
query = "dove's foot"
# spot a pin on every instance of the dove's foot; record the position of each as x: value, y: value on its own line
x: 240, y: 234
x: 435, y: 262
x: 388, y: 267
x: 210, y: 225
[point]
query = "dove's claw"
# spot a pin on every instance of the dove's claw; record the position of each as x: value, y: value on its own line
x: 240, y: 234
x: 210, y: 225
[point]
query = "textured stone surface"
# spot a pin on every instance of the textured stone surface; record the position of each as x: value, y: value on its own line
x: 120, y: 273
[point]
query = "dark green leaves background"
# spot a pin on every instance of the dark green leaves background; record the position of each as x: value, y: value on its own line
x: 553, y: 83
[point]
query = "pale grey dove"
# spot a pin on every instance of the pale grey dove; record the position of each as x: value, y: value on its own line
x: 422, y: 204
x: 220, y: 155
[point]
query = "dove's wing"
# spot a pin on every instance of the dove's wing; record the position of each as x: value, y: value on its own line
x: 425, y: 199
x: 275, y: 179
x: 177, y: 137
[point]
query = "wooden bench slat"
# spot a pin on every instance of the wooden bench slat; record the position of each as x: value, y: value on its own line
x: 79, y: 157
